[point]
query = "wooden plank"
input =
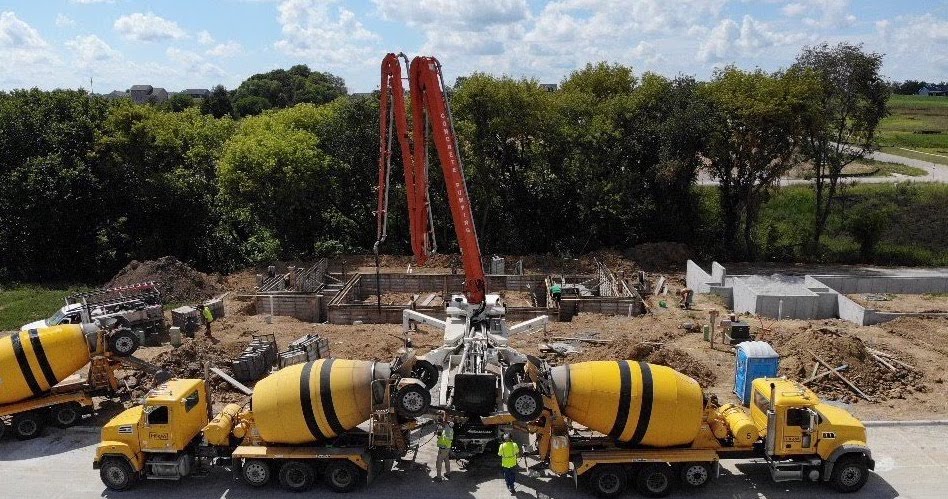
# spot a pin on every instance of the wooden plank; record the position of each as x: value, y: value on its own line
x: 840, y: 376
x: 237, y: 384
x: 816, y: 369
x: 428, y: 299
x: 883, y: 362
x: 892, y: 359
x: 825, y: 374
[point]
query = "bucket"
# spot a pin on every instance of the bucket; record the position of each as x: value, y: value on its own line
x: 707, y: 332
x: 175, y: 336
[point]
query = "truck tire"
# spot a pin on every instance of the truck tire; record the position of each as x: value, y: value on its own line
x: 426, y: 372
x: 27, y: 425
x: 117, y: 474
x: 65, y: 415
x: 514, y: 374
x: 3, y: 429
x: 412, y: 401
x: 655, y: 480
x: 525, y: 403
x: 696, y: 475
x: 849, y: 474
x: 343, y: 476
x: 297, y: 476
x: 608, y: 480
x: 255, y: 472
x: 123, y: 343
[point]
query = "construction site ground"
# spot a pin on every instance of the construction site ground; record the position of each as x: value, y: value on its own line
x: 898, y: 392
x: 909, y: 303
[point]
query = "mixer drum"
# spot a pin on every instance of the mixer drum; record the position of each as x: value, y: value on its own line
x: 32, y: 362
x: 313, y: 402
x: 634, y: 402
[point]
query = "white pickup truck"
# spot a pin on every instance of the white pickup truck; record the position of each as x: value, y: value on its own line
x: 136, y: 307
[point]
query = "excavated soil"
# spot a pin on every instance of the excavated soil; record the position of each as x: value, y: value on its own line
x: 927, y: 303
x: 178, y: 282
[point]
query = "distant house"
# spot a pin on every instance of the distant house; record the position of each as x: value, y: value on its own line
x: 196, y: 93
x: 116, y: 94
x: 933, y: 90
x: 549, y: 87
x: 146, y: 93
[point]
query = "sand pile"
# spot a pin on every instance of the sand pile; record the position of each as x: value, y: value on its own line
x: 179, y: 283
x: 837, y: 348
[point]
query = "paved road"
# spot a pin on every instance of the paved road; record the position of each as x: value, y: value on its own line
x: 936, y: 172
x: 912, y: 462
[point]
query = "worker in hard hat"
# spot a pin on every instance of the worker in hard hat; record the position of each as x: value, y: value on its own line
x: 208, y: 319
x: 509, y: 453
x: 445, y: 441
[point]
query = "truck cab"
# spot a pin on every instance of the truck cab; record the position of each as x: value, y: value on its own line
x: 70, y: 314
x: 806, y: 438
x: 155, y: 439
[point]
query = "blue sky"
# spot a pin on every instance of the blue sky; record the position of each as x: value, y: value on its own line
x: 181, y: 44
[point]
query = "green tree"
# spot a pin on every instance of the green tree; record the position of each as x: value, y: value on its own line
x: 753, y: 141
x: 840, y: 119
x: 285, y: 88
x: 178, y: 102
x: 217, y: 103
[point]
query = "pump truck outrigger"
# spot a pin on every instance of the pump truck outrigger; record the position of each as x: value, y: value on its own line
x: 480, y: 370
x: 652, y: 426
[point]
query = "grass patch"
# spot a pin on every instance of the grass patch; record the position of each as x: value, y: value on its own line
x: 916, y: 122
x: 24, y: 304
x: 940, y: 156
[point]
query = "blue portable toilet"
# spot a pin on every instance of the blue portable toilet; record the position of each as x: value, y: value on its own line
x: 755, y: 359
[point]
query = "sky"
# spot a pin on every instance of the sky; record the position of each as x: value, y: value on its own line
x: 178, y: 44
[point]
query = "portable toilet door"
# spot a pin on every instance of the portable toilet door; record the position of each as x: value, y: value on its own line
x: 755, y: 359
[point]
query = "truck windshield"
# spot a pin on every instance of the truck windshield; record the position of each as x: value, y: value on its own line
x: 56, y: 318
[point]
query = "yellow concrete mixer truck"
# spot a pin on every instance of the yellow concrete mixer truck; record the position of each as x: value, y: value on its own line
x: 37, y: 368
x: 612, y: 423
x: 302, y: 423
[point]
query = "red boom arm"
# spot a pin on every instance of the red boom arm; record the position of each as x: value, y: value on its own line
x: 429, y: 107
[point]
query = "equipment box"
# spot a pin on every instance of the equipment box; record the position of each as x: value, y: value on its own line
x: 737, y: 332
x: 755, y: 359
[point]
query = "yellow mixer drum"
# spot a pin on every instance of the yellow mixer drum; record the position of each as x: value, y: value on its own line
x: 32, y: 362
x: 634, y: 402
x: 312, y: 402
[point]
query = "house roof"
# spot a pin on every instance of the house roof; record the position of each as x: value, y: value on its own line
x: 145, y: 88
x: 196, y: 91
x: 936, y: 88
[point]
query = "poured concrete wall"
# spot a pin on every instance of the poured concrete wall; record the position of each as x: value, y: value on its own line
x: 913, y: 285
x: 305, y: 307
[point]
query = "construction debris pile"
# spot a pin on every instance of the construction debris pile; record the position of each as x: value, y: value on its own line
x: 869, y: 374
x: 177, y: 281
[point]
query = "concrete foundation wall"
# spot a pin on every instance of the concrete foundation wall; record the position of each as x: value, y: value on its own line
x: 569, y: 307
x: 697, y: 279
x: 885, y: 284
x: 305, y: 307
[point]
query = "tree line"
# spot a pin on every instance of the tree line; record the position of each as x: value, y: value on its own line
x: 609, y: 160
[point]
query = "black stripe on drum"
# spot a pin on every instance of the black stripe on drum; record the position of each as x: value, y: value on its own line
x: 41, y: 358
x: 625, y: 399
x: 325, y: 394
x: 645, y: 414
x: 24, y: 364
x: 306, y: 403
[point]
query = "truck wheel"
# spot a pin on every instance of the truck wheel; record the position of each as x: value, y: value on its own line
x: 608, y: 480
x: 525, y: 403
x: 117, y: 474
x: 297, y: 476
x: 27, y: 425
x: 849, y: 474
x: 695, y: 475
x: 3, y: 429
x: 426, y: 372
x: 412, y: 400
x: 655, y: 480
x: 255, y: 472
x: 343, y: 476
x: 123, y: 343
x: 66, y: 415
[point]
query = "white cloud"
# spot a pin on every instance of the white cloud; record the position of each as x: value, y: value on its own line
x: 228, y: 49
x: 793, y: 9
x: 64, y: 21
x: 466, y: 14
x: 729, y: 40
x: 148, y: 28
x: 914, y: 46
x: 90, y: 50
x: 647, y: 52
x: 821, y: 13
x: 317, y: 30
x: 204, y: 38
x: 17, y: 34
x: 191, y: 63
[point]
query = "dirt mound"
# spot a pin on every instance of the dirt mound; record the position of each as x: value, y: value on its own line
x: 187, y: 361
x: 179, y: 283
x: 837, y: 348
x: 655, y: 353
x: 661, y: 256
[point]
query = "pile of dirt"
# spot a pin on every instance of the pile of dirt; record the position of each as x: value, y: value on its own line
x: 661, y: 255
x: 838, y: 347
x: 178, y: 282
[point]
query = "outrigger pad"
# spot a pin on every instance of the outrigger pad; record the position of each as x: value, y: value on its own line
x: 475, y: 393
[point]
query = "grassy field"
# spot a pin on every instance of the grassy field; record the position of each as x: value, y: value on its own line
x: 919, y: 123
x: 20, y: 305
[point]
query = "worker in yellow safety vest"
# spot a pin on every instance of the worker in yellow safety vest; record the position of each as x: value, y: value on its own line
x: 445, y: 441
x: 208, y: 319
x: 509, y: 452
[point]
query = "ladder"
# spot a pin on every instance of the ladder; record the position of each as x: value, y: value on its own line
x: 385, y: 430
